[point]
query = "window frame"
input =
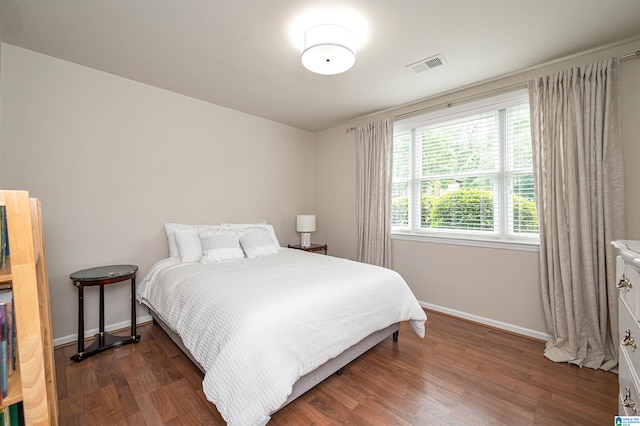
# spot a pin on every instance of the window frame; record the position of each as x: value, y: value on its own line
x: 503, y: 177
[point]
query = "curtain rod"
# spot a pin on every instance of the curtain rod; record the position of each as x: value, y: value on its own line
x: 449, y: 104
x: 630, y: 55
x: 635, y: 54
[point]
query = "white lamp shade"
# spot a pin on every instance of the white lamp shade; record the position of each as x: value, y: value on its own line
x: 328, y: 49
x: 306, y: 223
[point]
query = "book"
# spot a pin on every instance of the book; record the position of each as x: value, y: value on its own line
x: 3, y: 350
x: 6, y: 416
x: 3, y: 235
x: 6, y: 296
x: 16, y: 415
x: 5, y: 230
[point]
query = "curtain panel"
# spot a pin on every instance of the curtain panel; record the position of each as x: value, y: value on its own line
x: 374, y: 147
x: 578, y: 173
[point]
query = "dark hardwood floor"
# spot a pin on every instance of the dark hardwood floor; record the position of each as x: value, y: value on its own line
x: 461, y: 374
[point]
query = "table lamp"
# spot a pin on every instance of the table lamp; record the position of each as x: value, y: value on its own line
x: 305, y: 224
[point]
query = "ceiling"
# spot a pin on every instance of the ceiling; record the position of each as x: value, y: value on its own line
x: 240, y: 53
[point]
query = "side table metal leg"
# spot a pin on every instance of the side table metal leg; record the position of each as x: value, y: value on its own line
x: 80, y: 318
x: 133, y: 307
x: 101, y: 331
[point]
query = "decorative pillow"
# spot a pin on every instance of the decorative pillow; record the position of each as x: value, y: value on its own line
x: 263, y: 224
x: 189, y: 246
x: 219, y: 245
x: 171, y: 228
x: 257, y: 242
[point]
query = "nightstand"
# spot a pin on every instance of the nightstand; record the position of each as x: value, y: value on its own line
x: 102, y: 276
x: 311, y: 248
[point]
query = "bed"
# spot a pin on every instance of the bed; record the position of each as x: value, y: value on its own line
x: 267, y: 325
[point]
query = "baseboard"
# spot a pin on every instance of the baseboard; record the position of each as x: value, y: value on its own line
x: 539, y: 335
x: 65, y: 340
x: 62, y: 341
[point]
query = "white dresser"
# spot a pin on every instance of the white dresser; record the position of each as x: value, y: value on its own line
x: 628, y: 283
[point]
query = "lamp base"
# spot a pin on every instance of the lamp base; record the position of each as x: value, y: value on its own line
x: 305, y: 239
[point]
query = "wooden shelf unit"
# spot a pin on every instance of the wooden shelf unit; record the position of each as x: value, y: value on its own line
x: 33, y: 382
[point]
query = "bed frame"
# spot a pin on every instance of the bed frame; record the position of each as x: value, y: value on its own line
x: 314, y: 377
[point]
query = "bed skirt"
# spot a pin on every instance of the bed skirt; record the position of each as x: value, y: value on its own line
x: 314, y: 377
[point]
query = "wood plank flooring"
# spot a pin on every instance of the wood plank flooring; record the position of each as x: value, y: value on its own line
x: 461, y: 374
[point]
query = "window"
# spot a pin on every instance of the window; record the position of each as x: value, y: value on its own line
x: 466, y: 172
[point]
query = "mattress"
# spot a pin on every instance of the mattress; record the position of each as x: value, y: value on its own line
x: 257, y: 325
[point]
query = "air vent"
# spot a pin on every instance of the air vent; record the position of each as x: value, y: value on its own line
x: 426, y: 64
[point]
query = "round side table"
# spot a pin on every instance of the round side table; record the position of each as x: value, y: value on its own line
x: 102, y: 276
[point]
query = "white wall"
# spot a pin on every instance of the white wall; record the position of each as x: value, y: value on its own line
x: 112, y: 160
x: 499, y: 287
x: 630, y: 117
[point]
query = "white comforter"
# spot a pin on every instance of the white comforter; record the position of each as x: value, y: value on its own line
x: 257, y: 325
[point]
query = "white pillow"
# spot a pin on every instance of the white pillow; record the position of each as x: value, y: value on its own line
x: 263, y: 224
x: 189, y: 246
x: 170, y: 229
x: 257, y: 242
x: 219, y: 245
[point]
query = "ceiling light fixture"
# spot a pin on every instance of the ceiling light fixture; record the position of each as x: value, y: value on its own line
x: 328, y: 49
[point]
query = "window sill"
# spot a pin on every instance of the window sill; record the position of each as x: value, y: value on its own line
x: 467, y: 241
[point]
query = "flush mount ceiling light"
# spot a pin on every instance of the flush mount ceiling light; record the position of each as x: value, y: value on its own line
x: 328, y: 49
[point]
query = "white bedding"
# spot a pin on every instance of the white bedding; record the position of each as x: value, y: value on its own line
x: 257, y: 325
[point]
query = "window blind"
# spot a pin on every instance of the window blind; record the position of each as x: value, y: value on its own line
x: 467, y: 171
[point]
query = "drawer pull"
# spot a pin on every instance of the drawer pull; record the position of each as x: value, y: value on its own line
x: 624, y: 283
x: 627, y: 401
x: 628, y: 339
